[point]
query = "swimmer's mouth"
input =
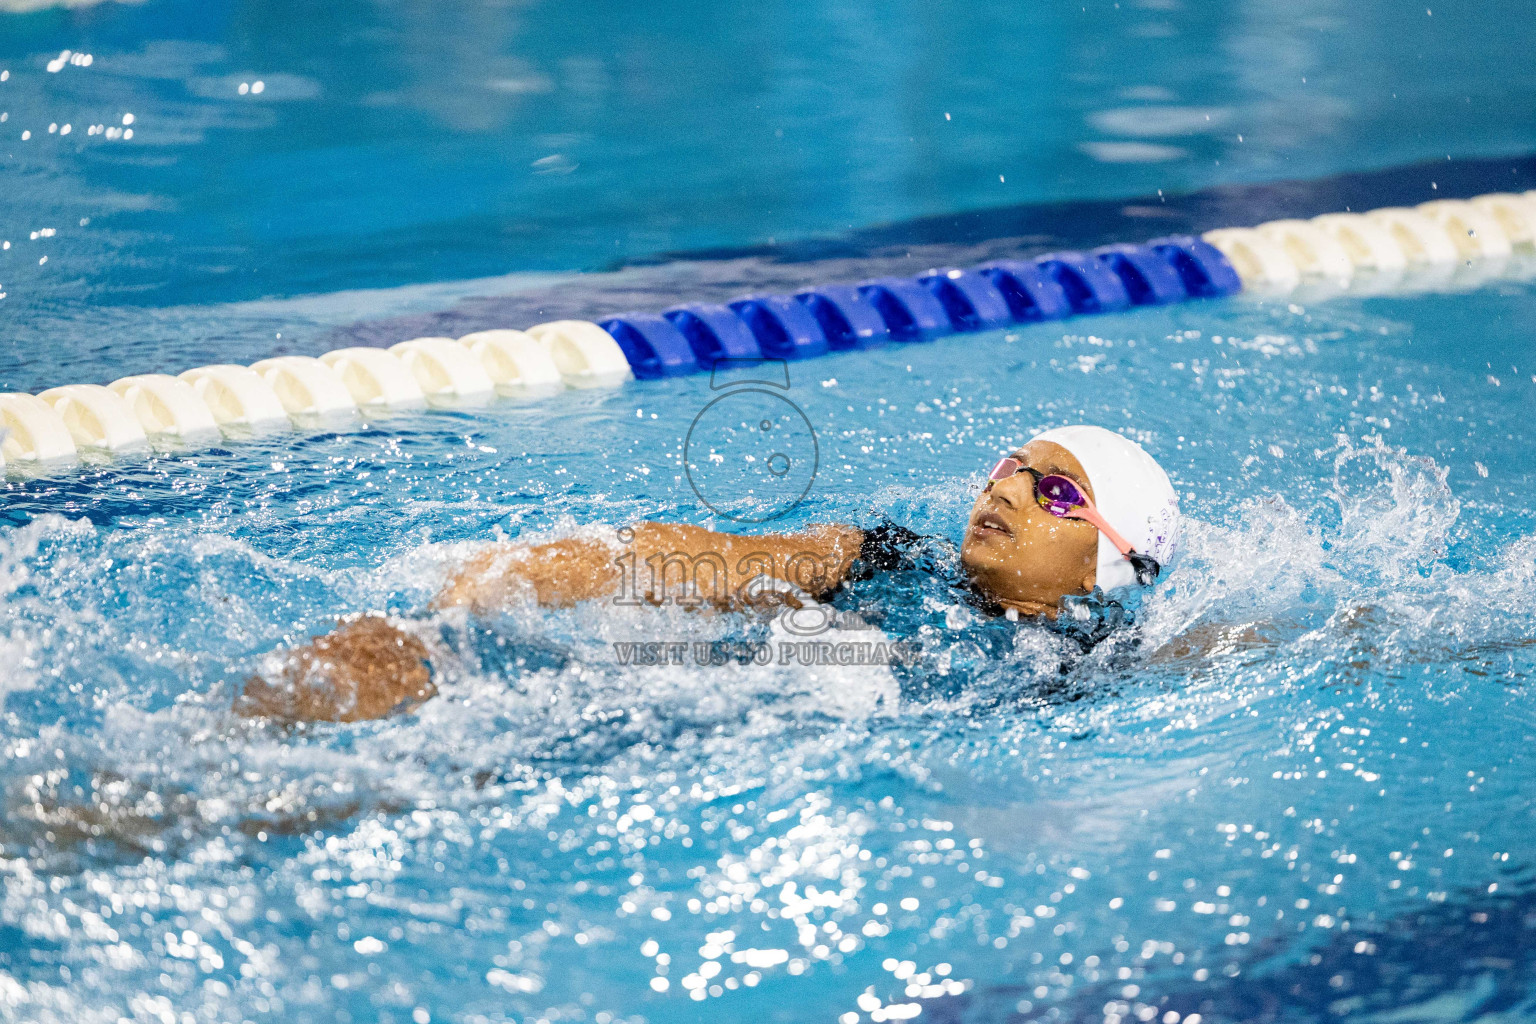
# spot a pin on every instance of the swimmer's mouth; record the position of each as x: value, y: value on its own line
x: 991, y: 522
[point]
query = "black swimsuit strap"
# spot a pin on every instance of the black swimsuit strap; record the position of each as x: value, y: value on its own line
x: 888, y: 546
x: 891, y: 548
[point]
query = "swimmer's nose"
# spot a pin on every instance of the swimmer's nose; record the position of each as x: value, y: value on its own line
x: 1003, y: 490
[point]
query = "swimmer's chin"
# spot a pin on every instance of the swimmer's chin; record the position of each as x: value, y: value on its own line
x: 997, y: 588
x: 1029, y: 609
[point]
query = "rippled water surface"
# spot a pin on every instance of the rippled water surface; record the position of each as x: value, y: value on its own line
x: 1298, y: 789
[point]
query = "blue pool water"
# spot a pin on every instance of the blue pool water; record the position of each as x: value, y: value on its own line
x: 1299, y: 789
x: 1300, y: 783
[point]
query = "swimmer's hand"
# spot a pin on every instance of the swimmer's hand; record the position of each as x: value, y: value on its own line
x: 657, y: 563
x: 366, y: 669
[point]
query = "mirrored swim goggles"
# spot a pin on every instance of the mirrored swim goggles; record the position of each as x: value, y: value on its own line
x: 1062, y: 498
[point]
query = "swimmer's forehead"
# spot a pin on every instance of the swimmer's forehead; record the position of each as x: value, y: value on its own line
x: 1048, y: 457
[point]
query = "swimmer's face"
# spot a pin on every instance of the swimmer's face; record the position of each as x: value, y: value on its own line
x: 1018, y: 553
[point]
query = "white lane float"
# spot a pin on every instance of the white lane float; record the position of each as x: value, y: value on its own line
x: 97, y: 417
x: 1421, y: 240
x: 586, y: 355
x: 1262, y: 264
x: 166, y: 406
x: 236, y: 395
x: 1380, y: 266
x: 376, y: 378
x: 1367, y: 244
x: 31, y: 431
x: 306, y: 386
x: 517, y: 364
x: 1315, y: 252
x: 1475, y: 232
x: 1516, y: 215
x: 446, y: 372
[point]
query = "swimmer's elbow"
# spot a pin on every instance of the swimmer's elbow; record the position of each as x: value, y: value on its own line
x: 480, y: 581
x: 461, y: 591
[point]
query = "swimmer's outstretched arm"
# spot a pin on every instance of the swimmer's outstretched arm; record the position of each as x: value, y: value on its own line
x: 655, y: 562
x: 369, y: 667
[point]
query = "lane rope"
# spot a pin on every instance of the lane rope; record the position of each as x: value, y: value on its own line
x: 1396, y: 248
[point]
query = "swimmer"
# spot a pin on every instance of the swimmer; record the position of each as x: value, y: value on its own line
x: 1077, y: 511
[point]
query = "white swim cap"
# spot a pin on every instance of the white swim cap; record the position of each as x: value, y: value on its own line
x: 1131, y: 491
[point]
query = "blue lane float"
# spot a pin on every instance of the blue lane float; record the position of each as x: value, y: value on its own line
x: 1204, y: 271
x: 1090, y: 286
x: 1030, y: 292
x: 1149, y: 279
x: 715, y: 332
x: 971, y: 302
x: 847, y: 318
x: 654, y: 347
x: 783, y: 327
x: 911, y: 312
x: 842, y: 317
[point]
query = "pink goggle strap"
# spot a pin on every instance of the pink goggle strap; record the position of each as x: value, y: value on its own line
x: 1088, y: 513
